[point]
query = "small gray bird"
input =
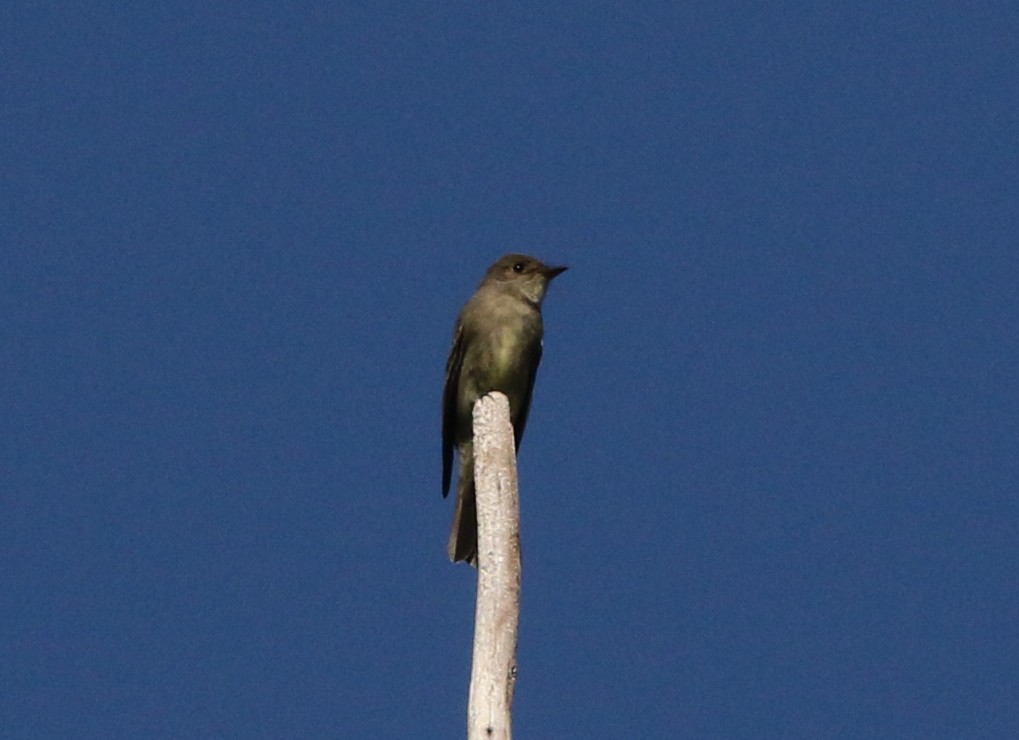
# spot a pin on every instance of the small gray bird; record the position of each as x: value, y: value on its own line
x: 496, y: 347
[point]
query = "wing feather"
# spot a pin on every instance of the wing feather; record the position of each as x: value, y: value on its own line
x: 525, y: 403
x: 453, y: 365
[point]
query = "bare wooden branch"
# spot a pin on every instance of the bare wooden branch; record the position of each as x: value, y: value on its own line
x: 497, y: 613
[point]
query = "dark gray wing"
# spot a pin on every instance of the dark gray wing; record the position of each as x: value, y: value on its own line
x: 525, y: 405
x: 453, y: 364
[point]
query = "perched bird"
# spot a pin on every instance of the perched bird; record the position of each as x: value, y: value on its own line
x: 496, y: 347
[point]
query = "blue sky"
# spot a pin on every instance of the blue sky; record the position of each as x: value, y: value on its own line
x: 769, y: 484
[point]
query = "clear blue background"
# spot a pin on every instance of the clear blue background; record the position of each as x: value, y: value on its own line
x: 770, y: 481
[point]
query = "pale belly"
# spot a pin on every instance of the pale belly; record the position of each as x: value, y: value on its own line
x: 500, y: 361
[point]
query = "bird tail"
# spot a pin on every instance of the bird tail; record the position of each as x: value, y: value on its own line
x: 463, y: 537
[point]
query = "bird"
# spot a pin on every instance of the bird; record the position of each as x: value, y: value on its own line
x: 497, y: 346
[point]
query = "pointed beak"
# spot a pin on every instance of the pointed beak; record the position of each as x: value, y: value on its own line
x: 552, y: 271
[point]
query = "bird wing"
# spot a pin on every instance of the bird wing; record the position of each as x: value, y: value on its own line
x: 525, y: 404
x: 453, y: 364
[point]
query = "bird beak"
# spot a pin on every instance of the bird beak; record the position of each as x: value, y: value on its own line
x: 550, y: 271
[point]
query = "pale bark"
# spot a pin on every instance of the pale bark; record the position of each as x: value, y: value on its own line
x: 497, y: 612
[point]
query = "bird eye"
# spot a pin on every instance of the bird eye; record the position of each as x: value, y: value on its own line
x: 518, y: 267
